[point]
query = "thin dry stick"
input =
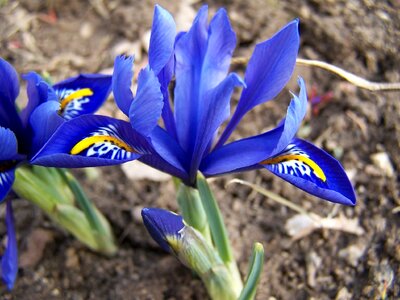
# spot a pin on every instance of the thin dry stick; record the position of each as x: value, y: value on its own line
x: 319, y: 222
x: 276, y: 198
x: 354, y: 79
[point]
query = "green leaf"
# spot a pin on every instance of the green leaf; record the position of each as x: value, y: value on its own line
x: 253, y: 277
x: 192, y: 210
x: 218, y: 230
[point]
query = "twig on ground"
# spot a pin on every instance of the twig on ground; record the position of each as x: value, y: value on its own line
x: 350, y: 77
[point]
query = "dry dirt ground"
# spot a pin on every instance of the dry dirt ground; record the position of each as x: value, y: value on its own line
x: 359, y: 127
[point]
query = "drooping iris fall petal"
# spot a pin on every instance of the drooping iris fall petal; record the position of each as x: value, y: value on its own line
x: 83, y: 94
x: 312, y: 170
x: 92, y: 141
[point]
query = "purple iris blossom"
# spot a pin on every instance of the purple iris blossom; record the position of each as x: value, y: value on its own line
x: 191, y: 139
x: 23, y: 133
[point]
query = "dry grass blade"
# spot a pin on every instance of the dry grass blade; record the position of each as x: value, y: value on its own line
x: 304, y: 222
x: 350, y: 77
x: 275, y: 197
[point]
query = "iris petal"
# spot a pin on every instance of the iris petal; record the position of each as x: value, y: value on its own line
x: 146, y: 109
x: 38, y: 92
x: 165, y: 77
x: 9, y: 85
x: 220, y: 47
x: 7, y: 176
x: 9, y: 90
x: 216, y: 103
x: 122, y: 81
x: 44, y: 122
x: 83, y: 94
x: 91, y: 140
x: 170, y: 151
x: 202, y: 62
x: 9, y: 261
x: 8, y: 144
x: 312, y: 170
x: 247, y: 152
x: 162, y: 39
x: 269, y: 69
x: 189, y: 51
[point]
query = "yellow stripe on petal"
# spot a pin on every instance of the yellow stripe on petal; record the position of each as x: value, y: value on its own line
x: 90, y: 141
x: 75, y: 95
x: 309, y: 162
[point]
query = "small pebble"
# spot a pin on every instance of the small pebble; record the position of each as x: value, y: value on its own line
x: 382, y: 161
x: 86, y: 30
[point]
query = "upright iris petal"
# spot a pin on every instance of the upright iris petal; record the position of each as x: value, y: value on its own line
x: 146, y: 109
x: 44, y: 121
x: 162, y: 39
x: 161, y: 59
x: 269, y: 70
x: 247, y: 152
x: 38, y: 92
x: 212, y: 116
x: 121, y: 82
x: 9, y: 86
x: 189, y: 51
x: 9, y: 90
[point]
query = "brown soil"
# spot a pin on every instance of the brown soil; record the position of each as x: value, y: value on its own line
x: 360, y: 36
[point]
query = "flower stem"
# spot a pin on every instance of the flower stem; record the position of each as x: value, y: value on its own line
x: 192, y: 210
x: 218, y: 231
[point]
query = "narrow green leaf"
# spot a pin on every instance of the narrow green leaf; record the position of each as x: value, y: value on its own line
x: 74, y: 221
x: 218, y: 230
x: 192, y: 209
x: 253, y: 277
x: 96, y: 220
x: 214, y: 216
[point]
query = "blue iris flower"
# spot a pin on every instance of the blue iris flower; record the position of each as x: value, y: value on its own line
x: 23, y: 133
x: 191, y: 138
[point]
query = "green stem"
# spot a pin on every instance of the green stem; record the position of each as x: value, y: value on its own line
x: 218, y: 230
x: 253, y: 277
x: 192, y: 210
x: 200, y: 256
